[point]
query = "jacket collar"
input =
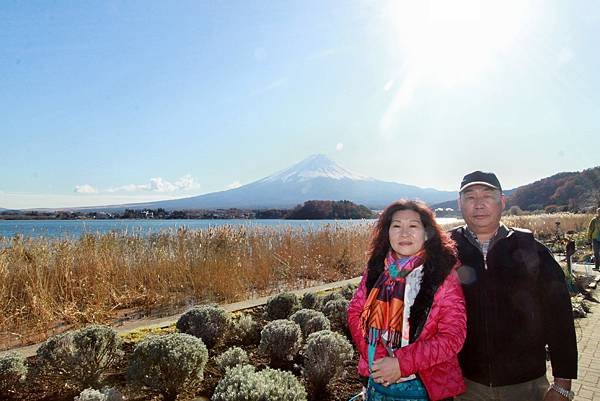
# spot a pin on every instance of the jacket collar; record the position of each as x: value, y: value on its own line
x: 502, y: 232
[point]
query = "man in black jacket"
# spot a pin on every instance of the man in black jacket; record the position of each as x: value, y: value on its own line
x: 518, y: 305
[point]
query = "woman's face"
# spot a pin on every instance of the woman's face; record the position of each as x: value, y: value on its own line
x: 407, y: 234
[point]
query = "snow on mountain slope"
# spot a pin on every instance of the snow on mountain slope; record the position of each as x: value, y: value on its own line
x: 312, y: 167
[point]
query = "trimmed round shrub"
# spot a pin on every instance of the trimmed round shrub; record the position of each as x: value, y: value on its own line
x: 324, y: 356
x: 280, y: 340
x: 80, y: 358
x: 210, y: 323
x: 348, y: 291
x: 232, y: 357
x: 281, y: 306
x: 247, y: 330
x: 310, y: 300
x: 337, y: 313
x: 323, y: 300
x: 282, y: 386
x: 168, y: 363
x: 13, y: 372
x: 106, y: 394
x: 240, y: 383
x: 304, y: 316
x: 315, y: 324
x: 243, y: 383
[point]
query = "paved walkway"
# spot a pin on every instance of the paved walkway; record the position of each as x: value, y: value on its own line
x: 587, y: 386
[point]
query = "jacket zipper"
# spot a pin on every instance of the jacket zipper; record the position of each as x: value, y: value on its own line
x: 486, y: 315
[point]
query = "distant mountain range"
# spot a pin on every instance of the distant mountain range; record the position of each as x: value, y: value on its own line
x: 565, y: 191
x: 314, y: 178
x: 320, y: 178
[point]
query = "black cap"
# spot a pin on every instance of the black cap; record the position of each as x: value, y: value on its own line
x: 480, y: 178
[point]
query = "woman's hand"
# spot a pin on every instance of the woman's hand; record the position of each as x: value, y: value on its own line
x: 386, y: 371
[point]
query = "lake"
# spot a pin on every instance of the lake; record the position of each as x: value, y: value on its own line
x: 74, y: 228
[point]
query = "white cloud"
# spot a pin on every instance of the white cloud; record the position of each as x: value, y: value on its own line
x: 159, y: 184
x: 85, y: 189
x: 233, y: 185
x: 128, y: 188
x: 186, y: 182
x: 339, y: 146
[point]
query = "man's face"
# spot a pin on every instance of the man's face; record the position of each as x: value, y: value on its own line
x: 481, y: 207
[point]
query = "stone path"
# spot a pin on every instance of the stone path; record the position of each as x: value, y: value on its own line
x: 587, y: 386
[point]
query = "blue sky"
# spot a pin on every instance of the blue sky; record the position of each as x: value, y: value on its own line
x: 119, y: 101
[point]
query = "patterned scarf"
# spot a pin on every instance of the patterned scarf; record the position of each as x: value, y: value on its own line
x: 382, y: 314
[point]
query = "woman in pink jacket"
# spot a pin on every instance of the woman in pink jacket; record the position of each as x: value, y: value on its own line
x: 407, y: 317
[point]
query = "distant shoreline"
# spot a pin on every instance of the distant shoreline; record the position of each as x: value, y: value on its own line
x: 75, y: 228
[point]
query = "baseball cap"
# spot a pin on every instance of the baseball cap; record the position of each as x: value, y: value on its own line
x: 480, y: 178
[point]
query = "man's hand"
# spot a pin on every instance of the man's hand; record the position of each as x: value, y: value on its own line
x: 386, y: 371
x: 552, y: 395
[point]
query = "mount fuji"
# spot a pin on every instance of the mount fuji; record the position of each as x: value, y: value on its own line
x: 314, y: 178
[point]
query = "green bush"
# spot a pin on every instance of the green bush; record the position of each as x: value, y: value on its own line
x: 310, y: 300
x: 232, y: 357
x: 80, y: 358
x: 210, y: 323
x: 282, y: 386
x: 324, y: 357
x: 243, y: 383
x: 280, y: 340
x: 281, y: 306
x: 13, y: 372
x: 304, y: 316
x: 247, y: 330
x: 348, y: 291
x: 315, y: 324
x: 106, y: 394
x: 337, y: 313
x: 331, y: 296
x: 168, y: 363
x: 240, y: 383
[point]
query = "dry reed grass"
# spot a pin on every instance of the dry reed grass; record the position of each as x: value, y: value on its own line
x: 44, y: 282
x: 544, y: 226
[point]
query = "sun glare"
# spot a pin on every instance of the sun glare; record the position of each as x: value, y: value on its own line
x: 454, y: 40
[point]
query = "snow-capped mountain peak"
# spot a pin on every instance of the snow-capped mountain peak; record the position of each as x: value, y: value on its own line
x: 315, y: 166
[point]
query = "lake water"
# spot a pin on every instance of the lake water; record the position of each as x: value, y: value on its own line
x: 74, y: 228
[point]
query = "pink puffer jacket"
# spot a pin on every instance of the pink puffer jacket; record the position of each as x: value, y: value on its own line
x: 433, y: 356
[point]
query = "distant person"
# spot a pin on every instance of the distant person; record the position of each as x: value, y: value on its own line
x: 594, y: 236
x: 517, y: 304
x: 407, y: 317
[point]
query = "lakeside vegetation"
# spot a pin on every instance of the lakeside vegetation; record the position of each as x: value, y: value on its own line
x: 50, y: 285
x: 47, y: 282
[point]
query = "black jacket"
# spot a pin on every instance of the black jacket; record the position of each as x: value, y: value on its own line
x: 515, y: 307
